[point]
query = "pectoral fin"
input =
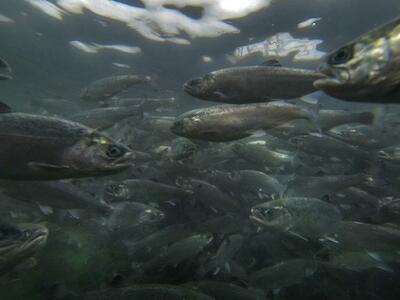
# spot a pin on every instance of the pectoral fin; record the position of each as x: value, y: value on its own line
x: 220, y: 95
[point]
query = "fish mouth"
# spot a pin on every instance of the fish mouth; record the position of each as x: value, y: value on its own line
x: 332, y: 79
x: 191, y: 86
x: 40, y: 235
x: 37, y: 240
x: 257, y: 215
x: 124, y: 162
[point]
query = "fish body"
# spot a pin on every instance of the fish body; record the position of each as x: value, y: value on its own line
x: 144, y: 291
x: 103, y: 118
x: 56, y: 194
x: 324, y: 145
x: 232, y: 122
x: 145, y: 104
x: 143, y: 190
x: 253, y: 84
x: 178, y: 252
x: 102, y: 89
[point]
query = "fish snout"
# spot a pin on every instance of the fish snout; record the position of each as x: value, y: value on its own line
x: 192, y: 85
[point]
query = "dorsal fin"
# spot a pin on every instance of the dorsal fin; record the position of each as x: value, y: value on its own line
x: 271, y: 63
x: 4, y: 108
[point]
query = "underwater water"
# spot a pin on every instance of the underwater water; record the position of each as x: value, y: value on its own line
x: 199, y: 149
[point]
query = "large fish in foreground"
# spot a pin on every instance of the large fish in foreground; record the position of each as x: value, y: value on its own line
x: 5, y: 70
x: 366, y: 69
x: 107, y: 87
x: 231, y: 122
x: 253, y: 84
x: 36, y: 147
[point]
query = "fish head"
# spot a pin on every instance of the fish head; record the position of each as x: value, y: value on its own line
x: 197, y: 124
x: 345, y: 132
x: 116, y: 191
x: 272, y: 214
x: 97, y: 154
x: 182, y: 148
x: 20, y: 241
x: 359, y: 69
x: 202, y: 87
x: 187, y: 124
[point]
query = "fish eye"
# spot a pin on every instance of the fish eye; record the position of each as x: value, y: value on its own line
x: 114, y: 151
x: 27, y: 233
x: 195, y: 81
x: 341, y: 56
x: 268, y: 212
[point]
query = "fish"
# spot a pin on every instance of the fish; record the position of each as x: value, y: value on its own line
x: 226, y: 122
x: 226, y: 291
x: 365, y: 136
x: 229, y: 247
x: 103, y: 118
x: 5, y: 70
x: 365, y: 69
x: 390, y: 154
x: 251, y: 84
x: 19, y: 242
x: 177, y: 252
x: 128, y: 215
x: 327, y: 146
x: 283, y: 274
x: 55, y: 194
x: 364, y: 260
x: 329, y: 118
x: 350, y: 236
x: 142, y: 190
x: 212, y: 196
x: 262, y: 155
x: 310, y: 218
x: 158, y: 239
x: 146, y: 104
x: 143, y: 291
x: 37, y: 147
x: 182, y: 149
x: 104, y: 88
x: 248, y: 184
x: 319, y: 186
x: 159, y: 125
